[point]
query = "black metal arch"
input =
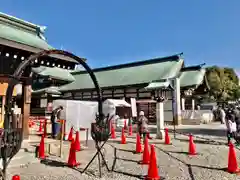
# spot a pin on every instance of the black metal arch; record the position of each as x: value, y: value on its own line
x: 9, y: 135
x: 19, y: 71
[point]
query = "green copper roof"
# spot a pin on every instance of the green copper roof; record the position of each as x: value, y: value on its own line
x: 158, y: 85
x: 192, y: 78
x: 54, y: 72
x: 128, y: 74
x: 48, y: 90
x: 17, y: 35
x: 23, y: 32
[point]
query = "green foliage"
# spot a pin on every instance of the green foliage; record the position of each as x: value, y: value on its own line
x: 223, y: 83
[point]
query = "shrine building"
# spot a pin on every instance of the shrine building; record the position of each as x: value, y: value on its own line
x: 53, y: 77
x: 147, y: 80
x: 18, y: 40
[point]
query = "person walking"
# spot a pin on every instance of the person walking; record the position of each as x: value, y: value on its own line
x: 142, y: 125
x: 56, y: 114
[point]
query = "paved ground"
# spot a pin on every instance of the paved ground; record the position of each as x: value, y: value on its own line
x: 173, y: 163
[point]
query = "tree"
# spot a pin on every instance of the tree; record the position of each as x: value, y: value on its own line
x: 236, y: 94
x: 223, y: 83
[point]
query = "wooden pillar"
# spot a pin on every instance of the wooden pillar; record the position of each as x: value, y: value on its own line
x: 26, y: 89
x: 3, y: 111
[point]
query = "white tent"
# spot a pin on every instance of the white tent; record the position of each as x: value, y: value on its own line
x: 82, y: 113
x: 77, y: 113
x: 109, y: 105
x: 117, y: 102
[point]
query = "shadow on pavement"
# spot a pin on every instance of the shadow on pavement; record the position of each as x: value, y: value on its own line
x: 130, y: 160
x: 53, y: 163
x: 197, y: 141
x: 189, y: 166
x: 203, y: 131
x: 123, y: 159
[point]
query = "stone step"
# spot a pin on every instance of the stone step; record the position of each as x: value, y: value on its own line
x: 191, y: 122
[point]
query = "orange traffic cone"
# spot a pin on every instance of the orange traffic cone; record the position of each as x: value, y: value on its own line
x: 123, y: 138
x: 72, y: 162
x: 130, y: 130
x: 146, y: 155
x: 138, y: 144
x: 16, y: 177
x: 192, y: 146
x: 167, y: 138
x: 40, y: 127
x: 77, y: 142
x: 113, y: 133
x: 232, y: 160
x: 41, y: 149
x: 70, y: 136
x: 152, y: 168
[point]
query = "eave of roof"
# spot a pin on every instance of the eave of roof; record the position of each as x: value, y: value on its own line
x: 54, y: 72
x: 48, y: 90
x: 17, y: 20
x: 141, y: 72
x: 17, y: 33
x: 192, y: 77
x: 134, y: 64
x: 13, y: 44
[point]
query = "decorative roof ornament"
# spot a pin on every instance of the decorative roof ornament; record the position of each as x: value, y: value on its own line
x: 41, y: 31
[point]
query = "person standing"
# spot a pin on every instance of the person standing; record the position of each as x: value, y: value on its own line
x: 237, y: 117
x: 232, y: 129
x: 142, y: 125
x: 56, y: 114
x: 222, y: 115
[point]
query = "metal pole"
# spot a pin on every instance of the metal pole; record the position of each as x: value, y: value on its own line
x: 87, y: 137
x: 61, y: 137
x: 174, y: 114
x: 174, y: 128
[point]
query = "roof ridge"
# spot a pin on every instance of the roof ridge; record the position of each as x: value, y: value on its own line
x: 21, y: 21
x: 23, y: 25
x: 175, y: 57
x: 193, y: 68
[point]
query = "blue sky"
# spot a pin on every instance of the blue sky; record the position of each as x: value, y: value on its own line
x: 109, y: 32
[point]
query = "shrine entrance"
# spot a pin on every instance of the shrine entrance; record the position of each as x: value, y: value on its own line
x: 12, y: 136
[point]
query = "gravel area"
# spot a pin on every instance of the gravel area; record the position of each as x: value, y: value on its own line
x: 174, y: 163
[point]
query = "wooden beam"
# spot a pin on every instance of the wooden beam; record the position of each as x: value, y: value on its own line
x: 26, y: 109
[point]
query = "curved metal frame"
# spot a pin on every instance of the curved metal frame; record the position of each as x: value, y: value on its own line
x: 16, y: 78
